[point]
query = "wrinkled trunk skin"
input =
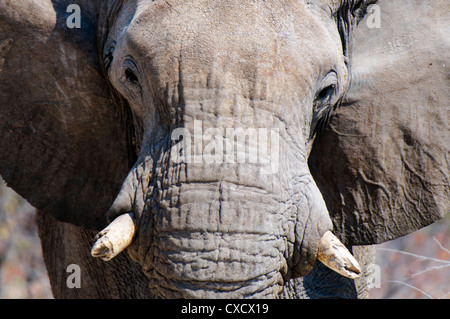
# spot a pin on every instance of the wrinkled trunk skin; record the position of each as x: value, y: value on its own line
x: 217, y: 241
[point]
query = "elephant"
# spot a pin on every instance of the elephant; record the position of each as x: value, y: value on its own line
x: 114, y: 117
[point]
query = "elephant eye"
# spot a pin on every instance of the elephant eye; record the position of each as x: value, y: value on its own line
x: 323, y: 104
x: 131, y: 71
x: 326, y: 93
x: 324, y: 100
x: 131, y: 76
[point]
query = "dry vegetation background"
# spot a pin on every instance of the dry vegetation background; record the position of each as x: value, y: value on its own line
x: 415, y: 266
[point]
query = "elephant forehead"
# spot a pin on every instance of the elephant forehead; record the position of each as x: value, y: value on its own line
x: 269, y: 38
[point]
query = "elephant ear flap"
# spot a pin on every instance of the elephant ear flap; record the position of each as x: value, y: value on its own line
x: 383, y: 163
x: 63, y: 142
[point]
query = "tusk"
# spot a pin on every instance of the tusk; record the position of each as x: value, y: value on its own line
x: 333, y: 254
x: 114, y: 238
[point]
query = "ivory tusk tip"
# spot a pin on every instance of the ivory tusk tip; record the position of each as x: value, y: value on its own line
x: 102, y: 249
x: 333, y: 254
x: 352, y: 272
x: 114, y: 238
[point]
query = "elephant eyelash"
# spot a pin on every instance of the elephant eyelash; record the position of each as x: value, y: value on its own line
x: 109, y: 55
x: 108, y: 60
x: 324, y: 119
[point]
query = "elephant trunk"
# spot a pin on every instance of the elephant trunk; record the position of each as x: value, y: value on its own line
x: 212, y: 245
x: 213, y: 235
x: 214, y: 220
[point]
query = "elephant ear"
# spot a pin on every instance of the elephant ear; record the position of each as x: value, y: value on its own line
x: 64, y: 144
x: 383, y: 163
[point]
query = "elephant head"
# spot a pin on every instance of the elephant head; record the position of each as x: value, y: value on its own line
x: 227, y: 138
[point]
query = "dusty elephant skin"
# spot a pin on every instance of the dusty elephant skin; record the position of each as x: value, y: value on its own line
x: 229, y: 145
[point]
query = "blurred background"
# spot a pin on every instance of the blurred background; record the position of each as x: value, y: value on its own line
x: 416, y: 266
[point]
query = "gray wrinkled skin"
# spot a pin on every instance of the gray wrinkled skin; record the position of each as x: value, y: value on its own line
x: 88, y: 124
x: 224, y: 230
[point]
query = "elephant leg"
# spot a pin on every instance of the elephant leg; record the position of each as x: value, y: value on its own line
x: 64, y: 244
x: 323, y: 283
